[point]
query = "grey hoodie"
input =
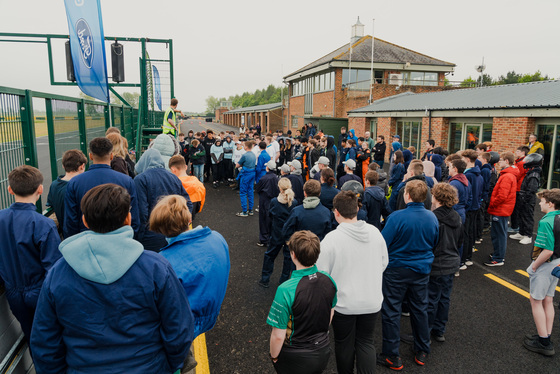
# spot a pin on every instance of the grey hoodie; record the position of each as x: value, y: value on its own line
x: 102, y: 258
x: 167, y: 146
x: 150, y: 159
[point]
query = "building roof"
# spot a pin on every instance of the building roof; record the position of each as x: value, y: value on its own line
x: 543, y: 94
x: 384, y: 52
x: 256, y: 108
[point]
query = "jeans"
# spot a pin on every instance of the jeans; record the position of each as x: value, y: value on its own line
x: 380, y: 163
x: 268, y: 262
x: 353, y: 340
x: 199, y: 172
x: 499, y: 237
x: 398, y: 282
x: 439, y: 298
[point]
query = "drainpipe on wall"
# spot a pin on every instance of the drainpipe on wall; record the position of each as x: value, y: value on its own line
x: 429, y: 124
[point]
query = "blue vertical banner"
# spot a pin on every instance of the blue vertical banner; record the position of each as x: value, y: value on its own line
x: 157, y: 87
x: 87, y: 44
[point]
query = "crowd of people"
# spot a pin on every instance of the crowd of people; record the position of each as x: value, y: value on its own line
x: 358, y: 244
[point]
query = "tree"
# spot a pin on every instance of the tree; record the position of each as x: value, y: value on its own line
x: 133, y: 98
x: 212, y: 103
x: 468, y: 82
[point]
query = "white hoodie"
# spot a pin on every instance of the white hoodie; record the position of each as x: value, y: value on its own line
x: 355, y: 255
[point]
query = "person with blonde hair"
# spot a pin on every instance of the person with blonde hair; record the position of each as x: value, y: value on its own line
x: 199, y: 257
x: 279, y: 210
x: 118, y: 162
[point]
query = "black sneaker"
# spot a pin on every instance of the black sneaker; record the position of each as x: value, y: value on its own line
x: 534, y: 345
x: 263, y: 284
x: 393, y: 363
x: 535, y: 336
x: 493, y: 263
x: 250, y: 212
x: 420, y: 358
x: 438, y: 337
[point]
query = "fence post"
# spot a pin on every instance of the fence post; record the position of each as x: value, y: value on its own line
x: 82, y: 126
x: 107, y: 116
x: 51, y: 137
x: 28, y: 129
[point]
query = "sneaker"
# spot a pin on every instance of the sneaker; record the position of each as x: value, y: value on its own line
x: 535, y: 336
x: 526, y: 240
x: 493, y: 263
x: 463, y: 267
x: 250, y: 212
x: 242, y: 214
x: 478, y: 241
x: 405, y: 314
x: 393, y: 363
x: 534, y: 345
x: 257, y: 210
x: 263, y: 284
x: 260, y: 244
x: 420, y: 358
x: 457, y: 274
x: 517, y: 236
x: 438, y: 337
x: 469, y: 263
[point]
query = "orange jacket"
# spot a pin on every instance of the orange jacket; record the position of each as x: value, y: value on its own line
x: 195, y: 189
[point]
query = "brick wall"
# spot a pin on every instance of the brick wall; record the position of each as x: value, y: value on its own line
x: 508, y: 133
x: 360, y: 125
x: 323, y: 104
x: 440, y: 131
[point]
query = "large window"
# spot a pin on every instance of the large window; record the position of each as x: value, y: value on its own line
x: 409, y: 132
x: 360, y: 78
x: 373, y: 129
x: 324, y: 82
x: 464, y: 135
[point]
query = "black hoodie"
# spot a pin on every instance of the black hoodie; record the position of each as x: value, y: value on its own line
x: 330, y: 153
x: 446, y: 253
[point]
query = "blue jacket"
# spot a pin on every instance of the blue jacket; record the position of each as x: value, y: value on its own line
x: 397, y: 175
x: 343, y: 155
x: 267, y: 187
x: 348, y: 177
x: 312, y: 216
x: 408, y: 156
x: 352, y: 135
x: 486, y: 172
x: 264, y: 157
x: 411, y: 235
x: 351, y: 154
x: 29, y: 247
x: 461, y: 183
x: 109, y: 306
x: 278, y: 213
x: 152, y: 182
x: 476, y: 181
x: 297, y: 186
x: 79, y: 185
x: 200, y: 258
x: 327, y: 195
x: 55, y: 200
x: 438, y: 161
x: 376, y: 205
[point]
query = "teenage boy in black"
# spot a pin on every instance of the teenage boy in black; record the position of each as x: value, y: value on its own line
x: 267, y: 188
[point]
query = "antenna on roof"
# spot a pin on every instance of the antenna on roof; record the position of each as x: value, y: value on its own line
x: 371, y: 74
x: 480, y: 68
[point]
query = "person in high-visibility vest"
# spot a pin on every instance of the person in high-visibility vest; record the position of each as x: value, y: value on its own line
x: 170, y: 119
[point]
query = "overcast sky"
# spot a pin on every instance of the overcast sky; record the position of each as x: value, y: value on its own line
x: 223, y: 48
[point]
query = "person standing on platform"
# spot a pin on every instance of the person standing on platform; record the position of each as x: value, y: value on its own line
x: 170, y: 125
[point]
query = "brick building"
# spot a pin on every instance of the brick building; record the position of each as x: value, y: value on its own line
x: 505, y: 115
x: 269, y: 116
x: 323, y: 91
x: 224, y: 107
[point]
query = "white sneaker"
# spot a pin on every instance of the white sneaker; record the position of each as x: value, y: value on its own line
x: 463, y: 267
x: 478, y: 241
x: 526, y: 240
x: 468, y: 263
x: 517, y: 236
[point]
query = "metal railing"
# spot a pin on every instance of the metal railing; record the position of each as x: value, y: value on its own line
x: 67, y: 123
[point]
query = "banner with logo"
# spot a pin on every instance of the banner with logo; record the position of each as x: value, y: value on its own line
x: 157, y: 87
x: 87, y: 44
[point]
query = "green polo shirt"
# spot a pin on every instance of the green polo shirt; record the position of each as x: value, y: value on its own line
x: 545, y: 234
x: 302, y: 306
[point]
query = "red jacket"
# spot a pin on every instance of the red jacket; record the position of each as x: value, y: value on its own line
x: 522, y: 171
x: 502, y: 201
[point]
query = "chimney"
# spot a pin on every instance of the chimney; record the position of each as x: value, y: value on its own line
x: 357, y: 31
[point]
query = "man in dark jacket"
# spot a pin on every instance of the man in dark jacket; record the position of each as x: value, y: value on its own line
x: 207, y: 142
x: 415, y: 172
x: 476, y: 181
x: 374, y: 201
x: 527, y: 197
x: 297, y: 180
x: 446, y: 259
x: 458, y: 180
x: 267, y: 188
x: 152, y: 182
x: 379, y: 150
x: 330, y: 153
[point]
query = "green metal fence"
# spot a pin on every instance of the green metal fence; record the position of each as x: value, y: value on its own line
x: 68, y: 123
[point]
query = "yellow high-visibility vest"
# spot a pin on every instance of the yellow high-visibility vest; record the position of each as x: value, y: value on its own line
x: 167, y: 128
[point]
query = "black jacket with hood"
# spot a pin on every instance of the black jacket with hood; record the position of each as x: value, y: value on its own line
x: 446, y: 253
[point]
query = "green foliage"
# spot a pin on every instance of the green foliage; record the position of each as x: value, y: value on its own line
x: 133, y: 98
x: 269, y: 95
x: 510, y: 78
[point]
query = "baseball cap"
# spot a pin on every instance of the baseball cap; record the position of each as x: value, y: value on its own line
x: 355, y: 187
x: 295, y: 163
x: 323, y: 160
x: 271, y: 165
x: 396, y: 136
x: 285, y: 168
x: 350, y: 163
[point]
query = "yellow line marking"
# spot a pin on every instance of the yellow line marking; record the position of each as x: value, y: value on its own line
x: 524, y: 273
x: 201, y: 355
x: 508, y: 285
